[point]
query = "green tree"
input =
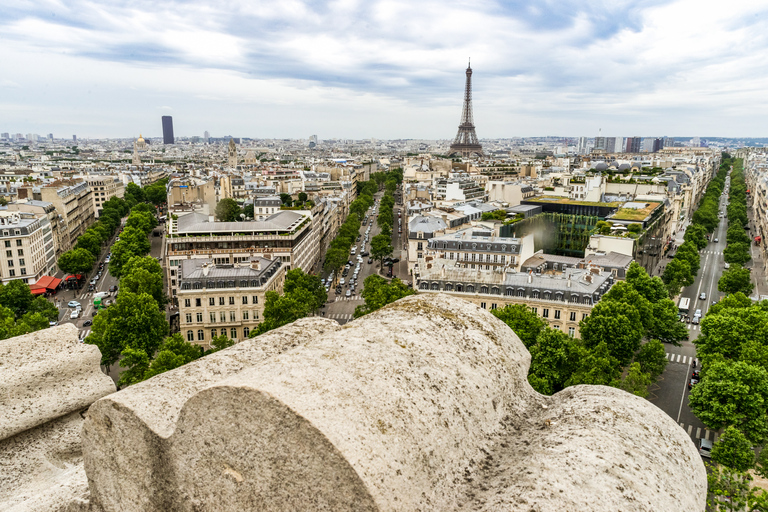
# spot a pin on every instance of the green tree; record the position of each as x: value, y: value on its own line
x: 554, y: 358
x: 652, y: 288
x: 227, y: 210
x: 136, y: 362
x: 728, y: 490
x: 280, y: 310
x: 286, y: 199
x: 602, y: 227
x: 733, y: 450
x: 736, y: 279
x: 156, y: 194
x: 44, y: 307
x: 635, y: 228
x: 736, y: 234
x: 76, y: 261
x: 725, y: 331
x: 335, y: 259
x: 90, y: 241
x: 677, y: 274
x: 303, y: 197
x: 524, y: 322
x: 689, y: 253
x: 378, y: 292
x: 134, y: 194
x: 618, y: 325
x: 733, y: 394
x: 174, y: 352
x: 133, y: 321
x: 381, y: 247
x: 635, y: 381
x: 142, y: 221
x: 137, y: 239
x: 220, y: 342
x: 737, y: 253
x: 664, y: 324
x: 652, y: 358
x: 596, y: 367
x: 139, y: 276
x: 296, y: 281
x: 248, y: 211
x: 696, y: 234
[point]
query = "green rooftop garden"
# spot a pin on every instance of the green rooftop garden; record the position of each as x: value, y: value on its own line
x: 565, y: 200
x: 636, y: 214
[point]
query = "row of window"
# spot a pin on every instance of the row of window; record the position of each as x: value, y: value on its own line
x: 222, y: 316
x: 9, y: 253
x: 8, y: 242
x: 215, y: 332
x: 221, y: 301
x: 509, y: 292
x: 545, y: 314
x: 243, y: 283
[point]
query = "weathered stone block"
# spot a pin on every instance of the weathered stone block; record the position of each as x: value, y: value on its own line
x: 423, y: 405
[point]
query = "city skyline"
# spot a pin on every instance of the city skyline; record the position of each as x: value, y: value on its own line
x: 353, y: 70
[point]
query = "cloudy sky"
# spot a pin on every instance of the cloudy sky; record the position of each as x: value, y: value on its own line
x: 384, y: 69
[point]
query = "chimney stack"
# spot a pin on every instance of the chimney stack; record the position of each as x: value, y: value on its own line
x: 206, y: 269
x: 530, y: 276
x: 255, y: 264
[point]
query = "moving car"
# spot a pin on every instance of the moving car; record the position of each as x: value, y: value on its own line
x: 87, y: 323
x: 74, y: 314
x: 73, y: 304
x: 703, y: 296
x: 716, y: 240
x: 349, y: 293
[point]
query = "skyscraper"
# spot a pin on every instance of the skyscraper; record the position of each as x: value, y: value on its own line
x: 633, y: 144
x: 206, y: 137
x: 610, y: 144
x: 167, y: 130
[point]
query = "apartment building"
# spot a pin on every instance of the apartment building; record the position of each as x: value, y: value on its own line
x: 474, y: 249
x: 459, y: 189
x: 225, y: 299
x: 561, y: 299
x: 28, y: 245
x: 73, y: 201
x: 103, y: 189
x: 266, y: 206
x: 286, y: 236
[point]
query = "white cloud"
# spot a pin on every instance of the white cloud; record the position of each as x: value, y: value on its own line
x: 388, y: 68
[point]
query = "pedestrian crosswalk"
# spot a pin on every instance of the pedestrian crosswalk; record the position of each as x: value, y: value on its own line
x: 352, y: 297
x: 341, y: 316
x: 693, y: 327
x: 711, y: 252
x: 84, y: 333
x: 679, y: 358
x: 700, y: 433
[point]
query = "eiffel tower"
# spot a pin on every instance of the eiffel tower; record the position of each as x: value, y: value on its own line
x: 466, y: 143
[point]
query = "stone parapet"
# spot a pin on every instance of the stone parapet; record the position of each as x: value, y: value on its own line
x: 47, y: 381
x: 422, y: 405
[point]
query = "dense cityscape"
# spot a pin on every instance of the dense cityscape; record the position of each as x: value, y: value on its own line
x: 224, y: 321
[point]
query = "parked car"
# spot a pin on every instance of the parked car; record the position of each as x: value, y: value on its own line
x: 73, y: 304
x: 705, y: 448
x: 341, y: 281
x: 692, y: 382
x: 364, y: 254
x: 349, y: 293
x: 727, y: 266
x: 370, y: 260
x: 53, y: 322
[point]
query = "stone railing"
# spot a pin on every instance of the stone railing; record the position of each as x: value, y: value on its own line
x: 422, y: 405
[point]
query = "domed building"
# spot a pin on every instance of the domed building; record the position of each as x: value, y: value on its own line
x: 139, y: 145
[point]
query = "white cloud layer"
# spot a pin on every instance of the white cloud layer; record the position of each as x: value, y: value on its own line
x: 384, y: 69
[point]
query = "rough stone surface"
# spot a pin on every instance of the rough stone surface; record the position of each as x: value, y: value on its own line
x: 47, y: 380
x: 592, y: 448
x: 45, y: 375
x: 423, y: 405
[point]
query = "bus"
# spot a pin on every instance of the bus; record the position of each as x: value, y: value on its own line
x: 685, y: 306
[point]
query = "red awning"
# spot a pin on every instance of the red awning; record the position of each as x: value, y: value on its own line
x: 37, y: 290
x: 48, y: 282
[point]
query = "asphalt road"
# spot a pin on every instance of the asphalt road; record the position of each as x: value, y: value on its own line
x: 671, y: 392
x: 85, y: 298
